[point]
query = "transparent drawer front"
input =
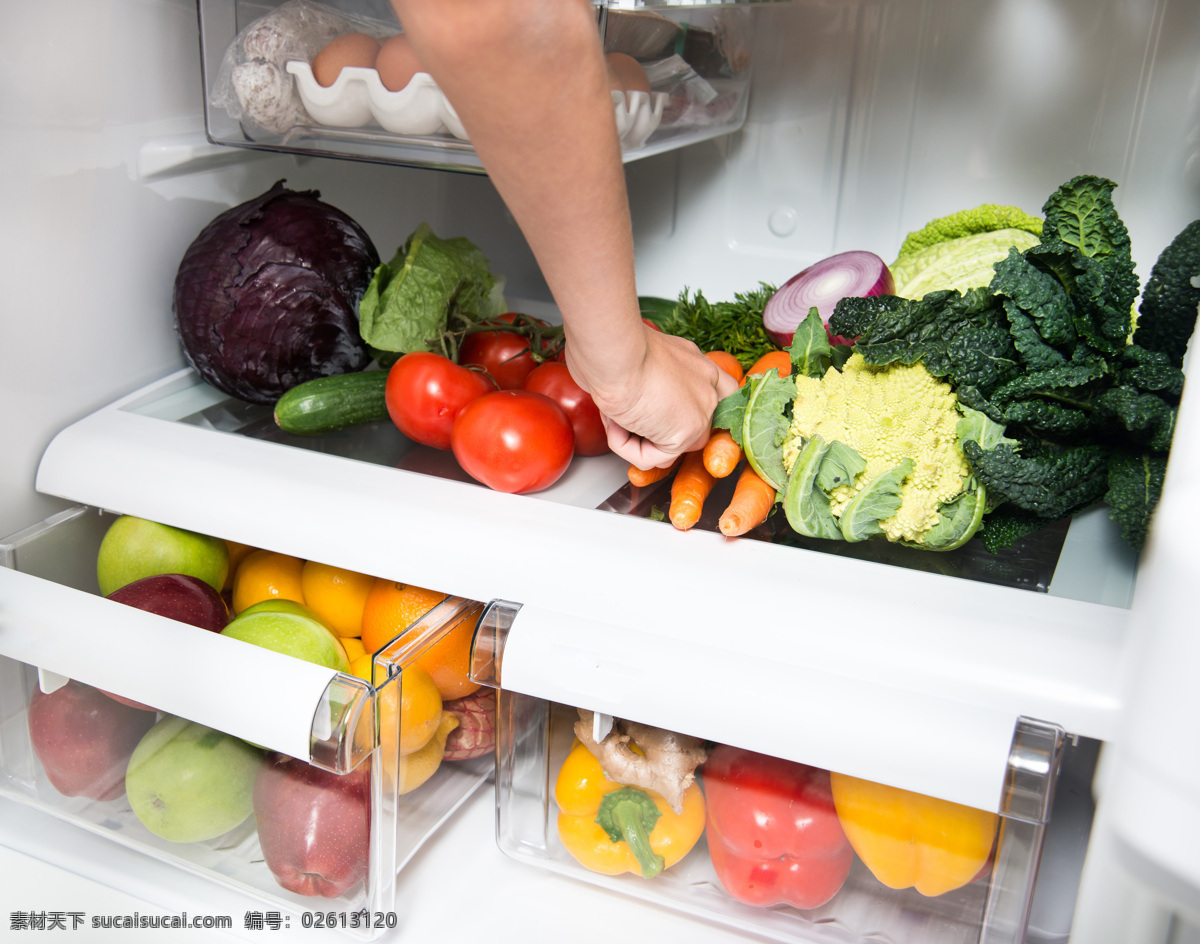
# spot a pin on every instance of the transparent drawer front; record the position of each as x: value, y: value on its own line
x: 327, y: 831
x: 768, y: 846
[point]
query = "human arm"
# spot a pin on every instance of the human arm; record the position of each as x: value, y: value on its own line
x: 528, y: 80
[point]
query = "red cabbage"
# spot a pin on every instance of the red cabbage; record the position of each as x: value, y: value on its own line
x: 267, y: 295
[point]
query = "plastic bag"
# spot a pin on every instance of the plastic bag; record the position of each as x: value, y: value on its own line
x: 253, y: 84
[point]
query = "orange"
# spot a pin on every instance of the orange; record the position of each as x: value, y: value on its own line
x: 266, y: 575
x: 420, y: 709
x: 448, y: 660
x: 728, y: 363
x: 353, y: 646
x: 391, y: 608
x: 781, y: 360
x: 336, y: 595
x: 237, y: 554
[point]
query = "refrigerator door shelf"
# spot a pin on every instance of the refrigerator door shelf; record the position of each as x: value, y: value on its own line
x: 261, y: 95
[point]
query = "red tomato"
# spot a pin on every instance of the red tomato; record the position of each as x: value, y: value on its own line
x: 513, y: 441
x: 426, y: 391
x: 556, y: 382
x: 505, y: 355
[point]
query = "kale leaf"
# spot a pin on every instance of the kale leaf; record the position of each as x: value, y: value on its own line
x: 1045, y: 350
x: 1171, y: 296
x: 1134, y: 485
x: 1052, y: 484
x: 963, y: 337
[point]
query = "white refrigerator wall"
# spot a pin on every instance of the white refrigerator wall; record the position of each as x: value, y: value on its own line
x: 867, y: 118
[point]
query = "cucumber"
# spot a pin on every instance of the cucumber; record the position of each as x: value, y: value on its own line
x: 329, y: 404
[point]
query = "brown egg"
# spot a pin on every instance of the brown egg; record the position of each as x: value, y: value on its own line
x: 625, y: 73
x: 396, y: 63
x: 357, y: 50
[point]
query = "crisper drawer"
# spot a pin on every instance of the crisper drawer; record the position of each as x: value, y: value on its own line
x: 787, y: 851
x: 742, y: 830
x: 298, y: 785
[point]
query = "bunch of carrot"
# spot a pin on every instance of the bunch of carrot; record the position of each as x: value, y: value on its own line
x: 697, y: 472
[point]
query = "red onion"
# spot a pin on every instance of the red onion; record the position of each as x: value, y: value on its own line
x: 822, y: 285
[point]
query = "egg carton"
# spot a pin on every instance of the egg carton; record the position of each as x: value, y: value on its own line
x: 357, y: 97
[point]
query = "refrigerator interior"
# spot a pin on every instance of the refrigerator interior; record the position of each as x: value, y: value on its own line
x: 866, y: 119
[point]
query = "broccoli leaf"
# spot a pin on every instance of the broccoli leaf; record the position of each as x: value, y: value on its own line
x: 1167, y: 315
x: 957, y: 521
x: 977, y: 426
x: 765, y: 425
x: 841, y: 466
x: 1052, y: 485
x: 962, y: 337
x: 811, y: 352
x: 730, y: 413
x: 1134, y: 487
x: 804, y: 503
x: 880, y: 499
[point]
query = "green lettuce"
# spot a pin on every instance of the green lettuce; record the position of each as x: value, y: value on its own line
x: 428, y: 285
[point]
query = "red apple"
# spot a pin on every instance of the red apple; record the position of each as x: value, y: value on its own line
x: 314, y: 826
x: 175, y: 596
x: 84, y: 739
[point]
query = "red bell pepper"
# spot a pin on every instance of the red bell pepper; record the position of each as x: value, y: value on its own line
x: 773, y: 833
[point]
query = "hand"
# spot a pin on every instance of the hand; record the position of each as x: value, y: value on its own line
x: 664, y: 406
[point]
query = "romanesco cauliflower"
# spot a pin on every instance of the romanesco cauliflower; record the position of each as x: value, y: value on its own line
x: 887, y: 416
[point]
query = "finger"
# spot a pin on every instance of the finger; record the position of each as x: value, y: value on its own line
x: 634, y: 449
x: 726, y: 385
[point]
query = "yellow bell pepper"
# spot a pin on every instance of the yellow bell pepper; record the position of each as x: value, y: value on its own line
x: 612, y: 828
x: 908, y: 839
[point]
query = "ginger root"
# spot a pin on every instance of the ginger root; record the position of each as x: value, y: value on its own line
x: 667, y: 764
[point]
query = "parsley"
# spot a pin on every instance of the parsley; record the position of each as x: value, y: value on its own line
x: 734, y: 327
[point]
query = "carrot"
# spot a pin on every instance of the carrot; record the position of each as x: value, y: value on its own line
x: 691, y: 486
x: 721, y: 454
x: 728, y: 363
x: 644, y: 477
x: 780, y: 360
x: 751, y: 503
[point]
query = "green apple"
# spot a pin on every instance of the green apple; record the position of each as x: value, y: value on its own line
x: 134, y: 548
x: 280, y: 605
x: 291, y: 633
x: 187, y: 782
